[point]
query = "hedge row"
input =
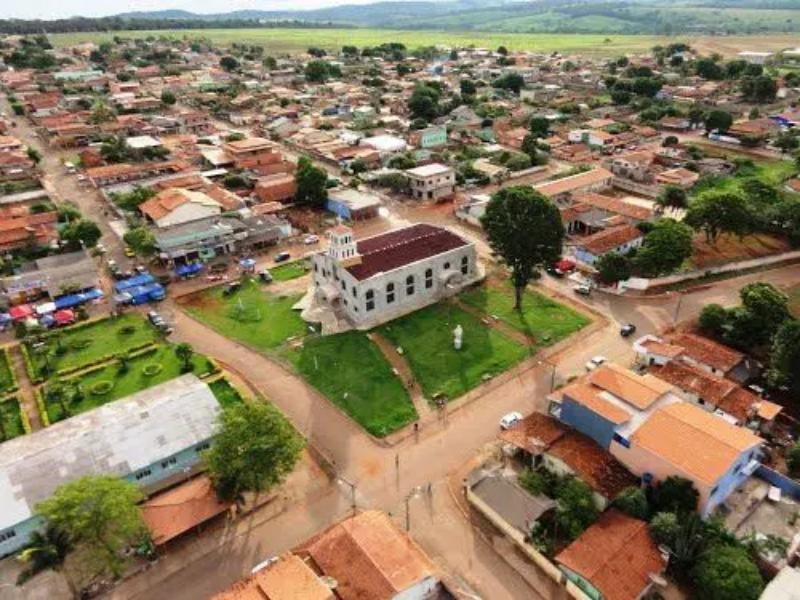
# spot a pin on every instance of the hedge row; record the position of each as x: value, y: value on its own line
x: 26, y: 422
x: 96, y: 365
x: 106, y: 358
x: 26, y: 356
x: 14, y: 381
x: 42, y: 409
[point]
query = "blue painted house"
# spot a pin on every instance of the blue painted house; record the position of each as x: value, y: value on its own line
x: 153, y: 438
x: 352, y: 205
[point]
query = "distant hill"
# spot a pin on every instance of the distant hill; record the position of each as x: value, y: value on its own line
x: 536, y: 16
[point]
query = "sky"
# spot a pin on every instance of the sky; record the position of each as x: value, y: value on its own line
x: 54, y: 9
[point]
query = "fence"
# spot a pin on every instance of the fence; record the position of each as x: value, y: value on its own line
x: 779, y: 480
x: 640, y: 284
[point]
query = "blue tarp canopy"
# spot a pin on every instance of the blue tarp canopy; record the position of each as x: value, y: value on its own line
x: 5, y: 318
x: 146, y: 293
x: 247, y: 263
x: 190, y: 269
x: 47, y: 321
x: 75, y: 299
x: 132, y: 282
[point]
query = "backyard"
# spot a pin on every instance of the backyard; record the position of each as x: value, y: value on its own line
x: 75, y: 347
x: 426, y: 338
x: 251, y: 315
x: 542, y: 320
x: 351, y: 371
x: 112, y: 381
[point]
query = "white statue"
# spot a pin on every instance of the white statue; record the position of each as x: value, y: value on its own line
x: 458, y: 335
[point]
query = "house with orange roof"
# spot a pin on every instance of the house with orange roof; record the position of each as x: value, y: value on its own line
x: 621, y: 238
x: 614, y: 559
x: 288, y: 578
x: 610, y: 403
x: 176, y: 206
x: 684, y: 440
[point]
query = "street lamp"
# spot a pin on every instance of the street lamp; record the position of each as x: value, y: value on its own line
x: 412, y: 494
x: 341, y: 480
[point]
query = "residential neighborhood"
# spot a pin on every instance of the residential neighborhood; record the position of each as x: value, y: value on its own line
x: 393, y: 322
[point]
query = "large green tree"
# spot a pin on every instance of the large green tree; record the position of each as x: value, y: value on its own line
x: 255, y: 448
x: 715, y: 212
x: 675, y: 494
x: 525, y: 229
x: 311, y: 184
x: 727, y: 572
x: 665, y: 247
x: 81, y: 233
x: 424, y: 102
x: 613, y: 267
x: 99, y: 513
x: 141, y: 240
x: 784, y: 361
x: 718, y: 119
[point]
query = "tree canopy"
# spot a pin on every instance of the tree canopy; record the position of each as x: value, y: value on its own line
x: 719, y: 211
x: 311, y: 183
x: 665, y: 247
x: 525, y: 229
x: 727, y: 573
x: 255, y: 449
x: 784, y: 367
x: 99, y: 513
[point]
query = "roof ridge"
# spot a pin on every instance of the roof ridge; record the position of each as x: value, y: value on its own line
x: 378, y: 569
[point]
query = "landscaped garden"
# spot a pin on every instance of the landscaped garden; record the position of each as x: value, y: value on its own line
x: 353, y: 373
x: 541, y: 319
x: 426, y: 338
x: 251, y: 315
x: 73, y: 395
x: 11, y: 419
x: 88, y: 343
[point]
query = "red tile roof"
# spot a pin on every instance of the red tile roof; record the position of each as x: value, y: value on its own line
x: 592, y: 464
x: 534, y: 433
x: 616, y: 555
x: 707, y: 351
x: 171, y: 513
x: 607, y: 240
x: 402, y: 247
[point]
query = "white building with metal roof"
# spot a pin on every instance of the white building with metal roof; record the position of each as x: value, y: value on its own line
x: 153, y: 438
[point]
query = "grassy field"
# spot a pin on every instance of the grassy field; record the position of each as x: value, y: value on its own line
x: 278, y: 41
x: 251, y: 315
x: 351, y: 371
x: 541, y: 319
x: 288, y: 271
x: 11, y: 417
x: 83, y: 345
x: 426, y: 337
x: 134, y: 380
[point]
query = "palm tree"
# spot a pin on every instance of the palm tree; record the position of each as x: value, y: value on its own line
x: 47, y: 550
x: 184, y: 353
x: 56, y: 393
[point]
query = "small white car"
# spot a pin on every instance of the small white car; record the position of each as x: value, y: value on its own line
x: 510, y: 420
x: 311, y: 240
x: 595, y: 362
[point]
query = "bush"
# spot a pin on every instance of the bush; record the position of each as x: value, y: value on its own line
x: 727, y: 573
x: 664, y: 528
x: 80, y: 344
x: 127, y: 330
x: 633, y: 501
x: 101, y: 387
x: 152, y: 369
x: 675, y: 494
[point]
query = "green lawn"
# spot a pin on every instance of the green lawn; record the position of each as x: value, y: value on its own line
x: 11, y: 417
x: 541, y: 318
x: 251, y: 315
x: 226, y: 394
x: 426, y: 337
x: 7, y: 382
x: 291, y: 270
x: 82, y: 345
x: 125, y: 384
x: 353, y: 373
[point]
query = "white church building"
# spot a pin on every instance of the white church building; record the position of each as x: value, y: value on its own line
x: 371, y: 281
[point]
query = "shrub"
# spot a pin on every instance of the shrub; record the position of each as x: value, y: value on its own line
x: 127, y: 330
x: 101, y: 387
x: 152, y: 369
x: 632, y: 501
x: 727, y: 573
x: 664, y: 528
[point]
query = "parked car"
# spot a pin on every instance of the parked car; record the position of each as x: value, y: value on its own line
x: 583, y: 290
x: 231, y: 288
x: 627, y: 329
x: 265, y: 276
x: 510, y: 420
x: 595, y: 362
x: 282, y: 257
x: 311, y: 240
